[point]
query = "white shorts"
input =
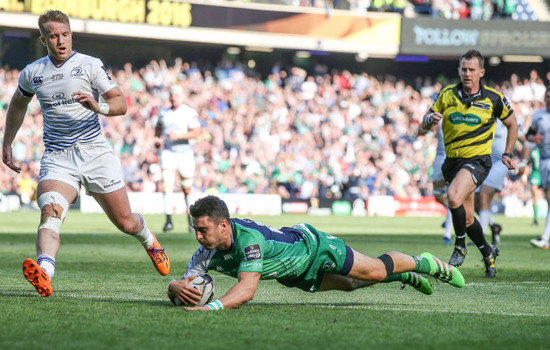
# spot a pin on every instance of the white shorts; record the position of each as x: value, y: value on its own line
x: 545, y: 172
x: 183, y: 162
x: 91, y: 165
x: 496, y: 176
x: 436, y: 168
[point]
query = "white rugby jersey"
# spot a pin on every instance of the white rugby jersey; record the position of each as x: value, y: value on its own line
x: 180, y: 121
x: 66, y: 121
x: 541, y: 121
x: 440, y: 151
x: 499, y: 142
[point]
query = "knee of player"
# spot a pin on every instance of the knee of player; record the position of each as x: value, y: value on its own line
x: 128, y: 225
x: 186, y: 185
x: 454, y: 200
x: 53, y: 208
x: 46, y: 211
x: 378, y: 274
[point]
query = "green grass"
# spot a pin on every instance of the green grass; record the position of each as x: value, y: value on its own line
x: 108, y: 296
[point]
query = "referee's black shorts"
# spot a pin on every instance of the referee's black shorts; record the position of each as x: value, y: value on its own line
x: 479, y: 166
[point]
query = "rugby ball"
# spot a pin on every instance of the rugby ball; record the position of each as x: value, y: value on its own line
x: 203, y: 283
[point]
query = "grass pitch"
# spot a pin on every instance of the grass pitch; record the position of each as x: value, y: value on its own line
x: 107, y: 294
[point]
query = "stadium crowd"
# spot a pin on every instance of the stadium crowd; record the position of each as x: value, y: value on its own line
x: 449, y: 9
x: 327, y: 135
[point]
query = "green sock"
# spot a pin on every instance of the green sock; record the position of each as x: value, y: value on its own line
x: 396, y: 277
x: 535, y: 212
x: 422, y: 264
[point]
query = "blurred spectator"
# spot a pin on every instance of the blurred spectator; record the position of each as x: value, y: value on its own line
x: 329, y: 135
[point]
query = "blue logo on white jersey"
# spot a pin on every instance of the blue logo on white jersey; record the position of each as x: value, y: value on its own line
x: 58, y: 103
x: 77, y: 72
x: 58, y: 95
x: 36, y: 81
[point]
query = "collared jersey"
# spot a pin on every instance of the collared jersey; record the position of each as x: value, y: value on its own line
x: 66, y: 121
x: 281, y: 254
x: 469, y: 123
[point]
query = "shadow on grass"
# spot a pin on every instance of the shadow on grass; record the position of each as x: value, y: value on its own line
x: 76, y: 295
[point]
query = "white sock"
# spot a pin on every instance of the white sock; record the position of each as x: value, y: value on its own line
x: 485, y: 217
x: 144, y: 235
x: 168, y: 203
x: 546, y: 233
x: 448, y: 224
x: 47, y: 263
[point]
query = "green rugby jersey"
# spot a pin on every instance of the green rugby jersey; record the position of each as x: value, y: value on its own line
x: 281, y: 254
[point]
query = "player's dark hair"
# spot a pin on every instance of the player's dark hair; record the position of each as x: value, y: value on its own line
x: 473, y: 54
x: 210, y: 206
x: 52, y: 16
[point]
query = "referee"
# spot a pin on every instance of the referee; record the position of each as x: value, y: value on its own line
x: 469, y: 112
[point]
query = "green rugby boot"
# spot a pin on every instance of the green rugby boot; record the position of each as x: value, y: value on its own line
x: 418, y: 282
x: 443, y: 271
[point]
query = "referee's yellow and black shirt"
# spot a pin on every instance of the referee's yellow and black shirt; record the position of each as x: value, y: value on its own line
x: 469, y: 122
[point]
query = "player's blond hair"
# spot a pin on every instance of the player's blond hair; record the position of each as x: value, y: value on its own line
x: 52, y: 16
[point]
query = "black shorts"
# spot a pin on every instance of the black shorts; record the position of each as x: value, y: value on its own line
x: 479, y: 166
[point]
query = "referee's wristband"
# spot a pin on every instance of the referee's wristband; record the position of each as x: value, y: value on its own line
x: 509, y: 155
x: 215, y: 305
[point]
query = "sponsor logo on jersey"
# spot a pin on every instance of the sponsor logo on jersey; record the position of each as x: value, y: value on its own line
x: 484, y: 106
x: 56, y: 77
x: 328, y: 265
x: 468, y: 119
x: 77, y: 71
x: 58, y: 103
x: 252, y: 252
x: 58, y: 95
x: 36, y: 81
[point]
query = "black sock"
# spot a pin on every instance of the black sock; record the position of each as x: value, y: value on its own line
x: 168, y: 219
x: 459, y: 223
x: 475, y: 232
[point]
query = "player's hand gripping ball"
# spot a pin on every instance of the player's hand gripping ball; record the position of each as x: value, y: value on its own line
x: 203, y: 283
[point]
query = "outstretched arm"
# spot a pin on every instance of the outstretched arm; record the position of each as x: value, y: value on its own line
x: 240, y: 293
x: 14, y: 119
x: 115, y: 103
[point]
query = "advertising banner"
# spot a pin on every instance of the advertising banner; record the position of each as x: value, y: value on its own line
x: 441, y: 37
x: 280, y: 26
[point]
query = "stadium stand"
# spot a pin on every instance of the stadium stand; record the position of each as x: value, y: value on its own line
x: 330, y: 135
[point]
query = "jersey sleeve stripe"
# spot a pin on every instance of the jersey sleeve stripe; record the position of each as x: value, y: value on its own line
x: 24, y: 92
